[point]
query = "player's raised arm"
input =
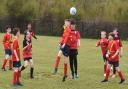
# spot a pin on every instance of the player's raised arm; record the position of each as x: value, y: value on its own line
x: 33, y: 35
x: 29, y: 28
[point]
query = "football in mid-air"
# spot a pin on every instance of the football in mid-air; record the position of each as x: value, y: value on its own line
x: 73, y: 11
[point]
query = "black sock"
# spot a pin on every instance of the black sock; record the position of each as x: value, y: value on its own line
x: 71, y: 63
x: 22, y: 68
x: 75, y: 63
x: 31, y: 72
x: 114, y: 70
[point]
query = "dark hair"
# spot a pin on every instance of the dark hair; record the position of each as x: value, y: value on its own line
x: 15, y: 30
x: 25, y: 33
x: 115, y: 29
x: 67, y: 20
x: 112, y: 34
x: 8, y: 26
x: 73, y: 22
x: 29, y: 23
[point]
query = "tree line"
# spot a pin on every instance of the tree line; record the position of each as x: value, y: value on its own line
x: 22, y: 11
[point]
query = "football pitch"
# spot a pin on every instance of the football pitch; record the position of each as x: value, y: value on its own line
x: 90, y: 67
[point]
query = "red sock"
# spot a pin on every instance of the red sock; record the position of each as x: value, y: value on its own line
x: 18, y: 76
x: 65, y: 69
x: 120, y: 75
x: 57, y: 61
x: 105, y: 68
x: 107, y: 73
x: 15, y: 78
x: 10, y: 64
x: 5, y: 61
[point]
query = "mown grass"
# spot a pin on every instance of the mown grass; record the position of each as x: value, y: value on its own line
x: 44, y: 53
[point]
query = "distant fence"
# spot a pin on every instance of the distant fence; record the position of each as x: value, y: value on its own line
x: 86, y: 29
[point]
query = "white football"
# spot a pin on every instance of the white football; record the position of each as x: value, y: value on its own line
x: 73, y: 10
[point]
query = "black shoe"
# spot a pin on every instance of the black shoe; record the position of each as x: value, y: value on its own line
x: 64, y: 78
x: 19, y: 84
x: 55, y: 71
x: 3, y: 69
x: 32, y: 77
x: 76, y: 76
x: 122, y: 81
x: 72, y: 77
x: 14, y: 85
x: 104, y: 81
x: 10, y: 68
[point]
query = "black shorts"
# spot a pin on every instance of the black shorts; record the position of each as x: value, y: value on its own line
x: 8, y: 52
x: 65, y: 50
x: 115, y: 64
x: 73, y: 52
x: 16, y: 63
x: 28, y: 59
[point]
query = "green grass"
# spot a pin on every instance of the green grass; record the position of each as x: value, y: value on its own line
x: 44, y: 53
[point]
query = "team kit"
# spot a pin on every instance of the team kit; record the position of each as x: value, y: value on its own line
x: 69, y: 44
x: 112, y: 52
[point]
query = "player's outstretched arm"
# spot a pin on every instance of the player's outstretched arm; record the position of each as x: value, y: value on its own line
x: 35, y: 37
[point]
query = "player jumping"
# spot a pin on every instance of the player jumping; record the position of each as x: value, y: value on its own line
x: 66, y: 26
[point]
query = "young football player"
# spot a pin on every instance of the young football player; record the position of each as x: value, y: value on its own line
x: 16, y: 57
x: 7, y: 42
x: 29, y: 29
x: 119, y: 41
x: 66, y: 26
x: 65, y: 48
x: 27, y: 54
x: 103, y: 43
x: 113, y: 58
x: 75, y: 43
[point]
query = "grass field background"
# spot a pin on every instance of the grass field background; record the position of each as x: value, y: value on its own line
x: 44, y: 53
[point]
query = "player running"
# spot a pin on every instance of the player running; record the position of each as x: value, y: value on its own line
x: 7, y: 42
x: 27, y: 54
x: 75, y: 43
x: 113, y: 58
x: 103, y: 43
x: 16, y: 58
x: 66, y: 26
